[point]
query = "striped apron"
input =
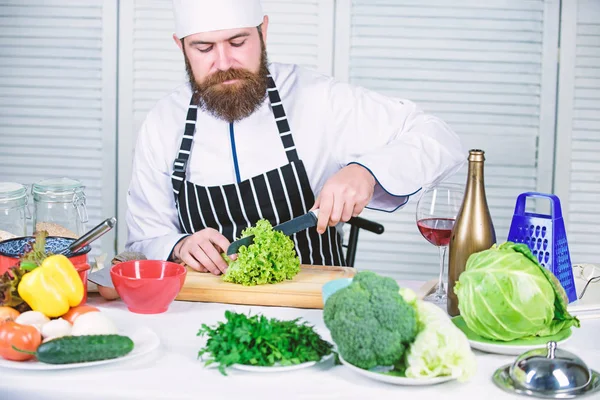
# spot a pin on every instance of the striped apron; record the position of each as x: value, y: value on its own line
x: 277, y: 195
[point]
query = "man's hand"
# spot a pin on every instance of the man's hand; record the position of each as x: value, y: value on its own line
x: 202, y: 251
x: 344, y: 196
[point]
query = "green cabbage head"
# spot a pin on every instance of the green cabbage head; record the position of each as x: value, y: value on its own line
x: 505, y: 294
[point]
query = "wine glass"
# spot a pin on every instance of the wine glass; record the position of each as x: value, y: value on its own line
x: 436, y: 213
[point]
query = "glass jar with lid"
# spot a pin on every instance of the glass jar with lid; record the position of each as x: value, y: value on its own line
x: 59, y: 207
x: 13, y: 210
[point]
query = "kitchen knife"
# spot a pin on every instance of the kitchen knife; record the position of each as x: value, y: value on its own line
x: 102, y: 277
x: 287, y: 228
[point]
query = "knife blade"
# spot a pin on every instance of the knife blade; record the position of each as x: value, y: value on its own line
x: 101, y: 277
x: 287, y: 228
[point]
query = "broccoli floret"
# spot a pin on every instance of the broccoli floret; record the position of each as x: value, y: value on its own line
x: 370, y: 322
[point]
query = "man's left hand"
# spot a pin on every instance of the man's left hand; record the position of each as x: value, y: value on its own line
x: 344, y: 195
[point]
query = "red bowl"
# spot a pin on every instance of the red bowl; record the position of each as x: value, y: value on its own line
x: 82, y: 270
x: 148, y: 286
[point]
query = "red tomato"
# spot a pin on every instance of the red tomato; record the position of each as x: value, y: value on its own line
x: 75, y: 312
x: 23, y: 337
x: 8, y: 314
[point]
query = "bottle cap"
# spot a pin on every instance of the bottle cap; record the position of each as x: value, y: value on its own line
x: 476, y: 155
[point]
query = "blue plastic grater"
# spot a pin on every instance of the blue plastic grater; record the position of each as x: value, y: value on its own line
x: 546, y: 237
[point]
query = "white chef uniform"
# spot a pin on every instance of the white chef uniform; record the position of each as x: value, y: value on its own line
x: 189, y: 174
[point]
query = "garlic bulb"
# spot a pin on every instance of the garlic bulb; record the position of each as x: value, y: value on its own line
x: 34, y: 318
x: 56, y: 328
x: 93, y: 323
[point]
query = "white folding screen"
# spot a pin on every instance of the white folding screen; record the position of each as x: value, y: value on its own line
x: 487, y: 68
x: 58, y: 98
x: 578, y: 130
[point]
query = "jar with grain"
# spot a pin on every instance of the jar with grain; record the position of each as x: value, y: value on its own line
x: 13, y: 210
x: 59, y: 207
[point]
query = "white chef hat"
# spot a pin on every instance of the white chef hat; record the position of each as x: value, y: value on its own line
x: 194, y: 16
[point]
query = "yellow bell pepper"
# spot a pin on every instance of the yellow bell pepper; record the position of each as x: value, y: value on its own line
x: 53, y: 287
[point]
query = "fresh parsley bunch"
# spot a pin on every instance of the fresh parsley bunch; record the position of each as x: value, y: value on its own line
x: 271, y: 258
x: 260, y: 341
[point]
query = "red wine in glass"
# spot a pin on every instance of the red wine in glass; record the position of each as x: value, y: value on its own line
x: 436, y: 211
x: 437, y: 231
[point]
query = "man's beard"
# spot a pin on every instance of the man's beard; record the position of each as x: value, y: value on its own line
x: 235, y: 101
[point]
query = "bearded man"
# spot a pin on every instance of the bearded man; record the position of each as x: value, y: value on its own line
x: 247, y: 139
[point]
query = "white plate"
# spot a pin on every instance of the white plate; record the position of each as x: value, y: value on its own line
x: 275, y: 368
x: 396, y: 380
x: 513, y: 347
x: 145, y: 340
x: 509, y: 350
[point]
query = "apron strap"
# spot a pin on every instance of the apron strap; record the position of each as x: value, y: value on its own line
x: 283, y: 127
x: 180, y: 163
x: 285, y: 133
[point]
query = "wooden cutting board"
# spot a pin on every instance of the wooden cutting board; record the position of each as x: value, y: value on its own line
x: 304, y: 291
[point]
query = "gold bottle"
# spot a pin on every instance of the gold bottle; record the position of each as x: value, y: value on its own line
x: 473, y: 230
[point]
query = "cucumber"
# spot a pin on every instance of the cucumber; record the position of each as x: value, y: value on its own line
x: 85, y: 348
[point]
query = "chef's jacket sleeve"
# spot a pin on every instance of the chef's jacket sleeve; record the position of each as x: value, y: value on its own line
x: 152, y: 220
x: 404, y: 148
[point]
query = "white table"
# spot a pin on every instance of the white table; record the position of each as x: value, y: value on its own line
x: 173, y: 372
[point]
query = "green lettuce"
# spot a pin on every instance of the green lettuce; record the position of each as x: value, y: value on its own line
x: 271, y: 258
x: 440, y: 348
x: 505, y: 294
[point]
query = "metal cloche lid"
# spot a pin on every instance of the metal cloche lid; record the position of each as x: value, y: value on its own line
x: 548, y: 372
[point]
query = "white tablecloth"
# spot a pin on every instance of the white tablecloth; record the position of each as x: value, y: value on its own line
x: 173, y: 372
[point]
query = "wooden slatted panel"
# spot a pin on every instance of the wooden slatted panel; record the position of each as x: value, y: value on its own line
x: 52, y: 116
x: 584, y: 195
x: 478, y: 66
